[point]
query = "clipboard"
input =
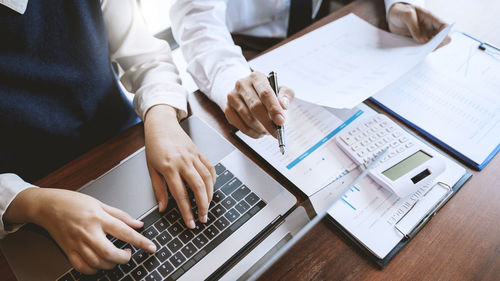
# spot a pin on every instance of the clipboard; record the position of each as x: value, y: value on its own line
x: 492, y: 51
x: 381, y: 263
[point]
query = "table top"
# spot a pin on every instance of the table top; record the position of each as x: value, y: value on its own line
x: 462, y: 242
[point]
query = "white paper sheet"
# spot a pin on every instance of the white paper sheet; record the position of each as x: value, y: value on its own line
x: 342, y: 63
x: 312, y: 159
x: 454, y: 95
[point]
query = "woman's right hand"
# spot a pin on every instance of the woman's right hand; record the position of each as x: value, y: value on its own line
x: 79, y: 224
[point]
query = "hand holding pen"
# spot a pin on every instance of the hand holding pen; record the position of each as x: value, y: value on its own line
x: 253, y: 107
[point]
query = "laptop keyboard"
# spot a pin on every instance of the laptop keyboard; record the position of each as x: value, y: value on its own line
x: 180, y: 248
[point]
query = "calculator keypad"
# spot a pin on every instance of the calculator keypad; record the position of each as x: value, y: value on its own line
x: 364, y: 142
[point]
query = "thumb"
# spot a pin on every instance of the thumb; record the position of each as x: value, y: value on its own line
x: 285, y: 96
x: 410, y: 19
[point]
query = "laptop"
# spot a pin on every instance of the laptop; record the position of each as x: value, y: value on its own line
x: 250, y: 216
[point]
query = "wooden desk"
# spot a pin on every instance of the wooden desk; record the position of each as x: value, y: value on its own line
x: 461, y: 243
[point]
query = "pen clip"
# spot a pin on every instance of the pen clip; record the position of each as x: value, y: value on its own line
x: 273, y: 80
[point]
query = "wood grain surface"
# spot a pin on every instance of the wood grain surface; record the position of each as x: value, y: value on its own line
x: 462, y: 242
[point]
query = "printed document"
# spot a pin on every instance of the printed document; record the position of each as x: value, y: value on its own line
x: 312, y: 159
x: 454, y: 96
x: 344, y: 62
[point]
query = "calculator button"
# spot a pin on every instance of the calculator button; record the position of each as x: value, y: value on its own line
x: 372, y: 148
x: 396, y: 134
x: 372, y: 138
x: 361, y: 153
x: 357, y: 138
x: 364, y: 143
x: 381, y: 134
x: 387, y: 139
x: 394, y: 144
x: 353, y: 132
x: 390, y: 129
x: 355, y: 147
x: 347, y: 139
x: 403, y: 139
x: 410, y: 144
x: 383, y: 124
x: 379, y: 143
x: 400, y: 149
x: 392, y: 154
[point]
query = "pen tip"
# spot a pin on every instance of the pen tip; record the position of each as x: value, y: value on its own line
x: 282, y: 149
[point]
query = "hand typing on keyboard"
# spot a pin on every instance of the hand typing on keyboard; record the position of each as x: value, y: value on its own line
x: 171, y: 155
x: 79, y: 224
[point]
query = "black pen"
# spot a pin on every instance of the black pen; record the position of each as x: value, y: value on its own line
x: 280, y: 130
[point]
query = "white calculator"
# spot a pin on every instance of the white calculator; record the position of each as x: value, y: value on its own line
x: 408, y: 164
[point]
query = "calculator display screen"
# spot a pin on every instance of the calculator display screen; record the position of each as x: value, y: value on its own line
x: 405, y: 166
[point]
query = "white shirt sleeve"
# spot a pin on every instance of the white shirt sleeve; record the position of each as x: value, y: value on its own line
x: 149, y: 69
x: 389, y: 3
x: 213, y: 59
x: 10, y: 186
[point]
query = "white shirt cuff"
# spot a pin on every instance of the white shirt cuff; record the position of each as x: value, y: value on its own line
x: 147, y: 99
x: 389, y: 3
x: 225, y: 82
x: 10, y: 186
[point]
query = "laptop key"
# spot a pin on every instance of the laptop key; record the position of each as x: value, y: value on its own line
x: 139, y: 273
x: 126, y: 268
x: 140, y: 256
x: 163, y: 254
x: 240, y: 193
x: 200, y: 241
x: 219, y: 168
x: 211, y: 217
x: 151, y: 263
x: 186, y: 235
x: 150, y: 219
x: 231, y: 186
x: 154, y: 276
x: 172, y: 216
x: 221, y: 223
x: 119, y: 243
x: 165, y: 269
x: 150, y: 233
x: 228, y: 203
x: 188, y: 250
x: 198, y: 228
x: 163, y: 238
x: 114, y: 274
x: 222, y: 179
x: 232, y: 215
x: 211, y: 232
x: 161, y: 225
x: 174, y: 245
x: 218, y: 196
x: 175, y: 229
x: 242, y: 207
x: 218, y: 210
x: 251, y: 199
x: 177, y: 259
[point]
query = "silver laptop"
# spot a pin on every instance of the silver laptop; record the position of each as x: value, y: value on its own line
x: 247, y: 208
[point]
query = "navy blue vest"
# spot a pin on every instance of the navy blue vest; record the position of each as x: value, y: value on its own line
x: 58, y: 94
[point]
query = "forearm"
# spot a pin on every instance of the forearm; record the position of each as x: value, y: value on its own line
x: 149, y: 69
x: 213, y: 59
x: 12, y: 188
